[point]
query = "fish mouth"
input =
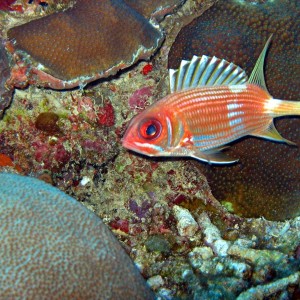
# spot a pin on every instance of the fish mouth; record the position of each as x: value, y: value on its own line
x: 125, y: 143
x: 129, y: 145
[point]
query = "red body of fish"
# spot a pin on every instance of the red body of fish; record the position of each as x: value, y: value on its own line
x: 198, y: 122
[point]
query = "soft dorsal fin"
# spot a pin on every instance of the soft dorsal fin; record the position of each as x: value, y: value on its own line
x: 257, y: 76
x: 205, y: 71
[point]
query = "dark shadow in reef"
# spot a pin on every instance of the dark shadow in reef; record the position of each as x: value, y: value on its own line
x: 5, y: 92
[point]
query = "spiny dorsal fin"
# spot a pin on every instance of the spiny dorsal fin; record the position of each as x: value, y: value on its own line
x: 205, y: 71
x: 257, y: 76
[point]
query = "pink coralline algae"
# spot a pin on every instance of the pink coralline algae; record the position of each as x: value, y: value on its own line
x: 52, y: 247
x: 139, y: 99
x: 23, y: 6
x: 57, y: 139
x: 119, y: 224
x: 46, y: 153
x: 5, y: 92
x: 140, y: 210
x: 9, y: 5
x: 106, y: 115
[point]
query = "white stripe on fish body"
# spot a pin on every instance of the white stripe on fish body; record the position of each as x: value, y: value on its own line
x: 238, y: 88
x: 271, y: 105
x: 169, y: 132
x: 233, y: 114
x: 234, y: 122
x: 196, y: 95
x: 186, y: 99
x: 234, y: 106
x: 150, y: 146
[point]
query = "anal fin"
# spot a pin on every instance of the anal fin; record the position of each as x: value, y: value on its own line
x: 271, y: 133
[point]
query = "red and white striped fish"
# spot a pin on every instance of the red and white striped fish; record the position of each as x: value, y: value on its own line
x: 212, y: 103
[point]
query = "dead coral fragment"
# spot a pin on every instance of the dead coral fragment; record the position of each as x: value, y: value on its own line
x: 186, y: 224
x: 236, y: 266
x: 263, y: 291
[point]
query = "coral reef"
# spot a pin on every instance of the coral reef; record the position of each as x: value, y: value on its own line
x: 59, y: 133
x: 266, y: 181
x: 184, y: 242
x: 230, y: 264
x: 71, y: 255
x: 192, y: 248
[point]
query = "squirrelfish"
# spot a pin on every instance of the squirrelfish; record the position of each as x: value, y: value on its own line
x: 212, y: 103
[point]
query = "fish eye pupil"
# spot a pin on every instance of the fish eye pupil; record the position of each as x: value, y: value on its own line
x: 151, y: 130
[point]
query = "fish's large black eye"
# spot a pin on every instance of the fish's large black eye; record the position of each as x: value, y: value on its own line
x: 150, y: 129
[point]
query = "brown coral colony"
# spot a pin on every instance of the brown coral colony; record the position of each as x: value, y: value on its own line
x: 84, y: 41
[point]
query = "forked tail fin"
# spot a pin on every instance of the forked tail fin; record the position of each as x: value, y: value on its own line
x: 278, y: 108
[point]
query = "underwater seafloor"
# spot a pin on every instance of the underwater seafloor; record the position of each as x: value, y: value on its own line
x: 185, y: 243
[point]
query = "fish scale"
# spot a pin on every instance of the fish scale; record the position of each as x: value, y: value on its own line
x: 198, y: 121
x: 209, y: 116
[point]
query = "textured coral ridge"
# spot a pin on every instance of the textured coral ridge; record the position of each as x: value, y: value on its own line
x: 266, y: 181
x: 91, y: 40
x: 54, y: 248
x: 5, y: 93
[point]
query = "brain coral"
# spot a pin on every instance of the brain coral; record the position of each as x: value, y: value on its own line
x: 52, y: 247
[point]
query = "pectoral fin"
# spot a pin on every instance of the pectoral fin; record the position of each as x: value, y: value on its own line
x: 271, y: 133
